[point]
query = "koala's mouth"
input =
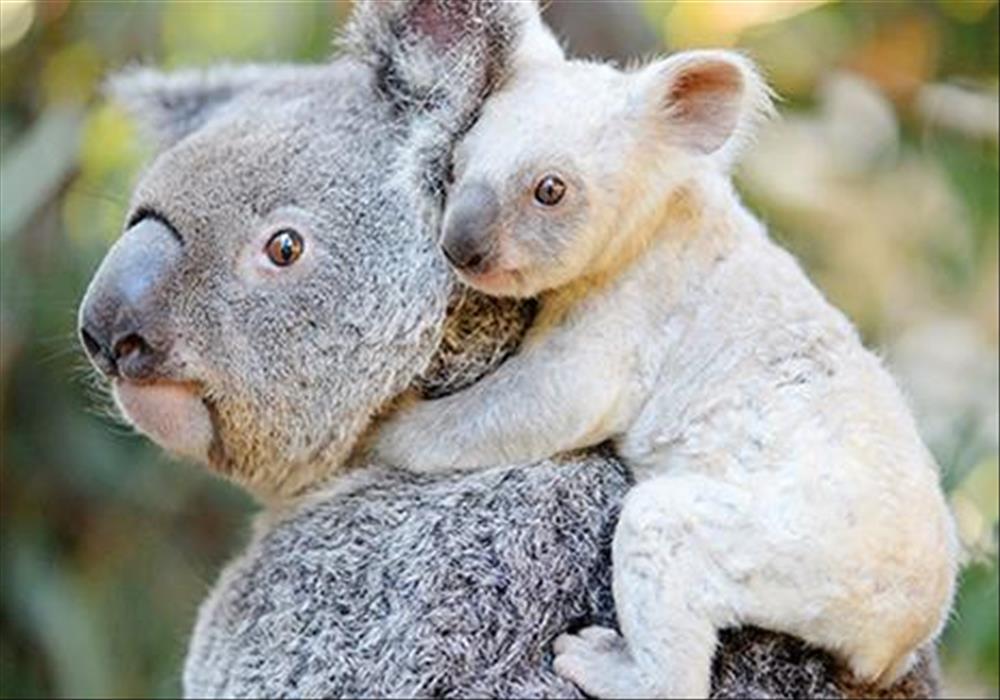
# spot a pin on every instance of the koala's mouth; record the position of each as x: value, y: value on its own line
x: 172, y: 414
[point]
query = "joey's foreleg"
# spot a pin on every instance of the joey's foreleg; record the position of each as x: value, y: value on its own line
x: 539, y: 403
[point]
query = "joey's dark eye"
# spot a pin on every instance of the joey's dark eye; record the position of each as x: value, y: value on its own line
x: 550, y: 190
x: 284, y: 247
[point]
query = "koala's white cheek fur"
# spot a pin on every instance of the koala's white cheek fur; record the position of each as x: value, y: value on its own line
x: 172, y: 415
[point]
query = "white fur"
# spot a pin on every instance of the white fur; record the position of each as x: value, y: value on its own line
x: 780, y: 478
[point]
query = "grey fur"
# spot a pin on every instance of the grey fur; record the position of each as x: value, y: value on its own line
x: 295, y: 367
x: 370, y: 581
x: 169, y: 107
x: 480, y: 332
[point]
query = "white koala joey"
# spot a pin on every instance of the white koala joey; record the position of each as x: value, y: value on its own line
x: 780, y: 478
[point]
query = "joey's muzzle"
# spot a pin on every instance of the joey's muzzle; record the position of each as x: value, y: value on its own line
x: 468, y: 240
x: 123, y: 317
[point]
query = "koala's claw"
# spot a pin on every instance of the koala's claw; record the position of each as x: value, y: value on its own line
x: 597, y: 637
x: 597, y: 660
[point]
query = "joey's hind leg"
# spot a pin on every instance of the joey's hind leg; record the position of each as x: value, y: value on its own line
x: 670, y: 593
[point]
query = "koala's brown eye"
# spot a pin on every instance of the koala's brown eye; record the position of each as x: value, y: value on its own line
x: 550, y: 190
x: 284, y: 247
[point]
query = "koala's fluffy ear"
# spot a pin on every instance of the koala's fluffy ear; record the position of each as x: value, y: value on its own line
x: 437, y: 53
x: 169, y: 106
x: 706, y: 102
x: 435, y: 61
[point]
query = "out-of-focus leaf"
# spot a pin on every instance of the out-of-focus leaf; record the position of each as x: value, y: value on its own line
x: 973, y: 113
x: 971, y: 642
x: 901, y: 56
x: 34, y: 167
x: 721, y: 22
x: 71, y: 74
x: 53, y: 611
x: 967, y: 10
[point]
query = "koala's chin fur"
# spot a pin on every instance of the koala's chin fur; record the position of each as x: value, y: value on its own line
x: 374, y: 582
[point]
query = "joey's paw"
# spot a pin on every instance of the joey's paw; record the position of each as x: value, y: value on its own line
x: 597, y: 660
x: 397, y: 444
x: 412, y: 439
x: 597, y: 639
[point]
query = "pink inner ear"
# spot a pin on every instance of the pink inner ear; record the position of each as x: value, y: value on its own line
x: 441, y: 22
x: 704, y: 104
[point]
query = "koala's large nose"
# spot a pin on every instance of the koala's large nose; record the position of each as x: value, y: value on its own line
x: 123, y: 316
x: 469, y: 226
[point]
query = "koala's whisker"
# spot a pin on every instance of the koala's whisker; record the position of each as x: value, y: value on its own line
x: 103, y: 408
x: 57, y: 354
x: 82, y: 371
x: 57, y: 348
x: 94, y: 386
x: 61, y: 337
x: 40, y: 298
x: 98, y: 394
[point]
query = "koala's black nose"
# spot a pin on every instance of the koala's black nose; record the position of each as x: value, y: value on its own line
x: 464, y: 255
x: 469, y: 226
x: 123, y: 316
x: 99, y: 353
x: 122, y: 354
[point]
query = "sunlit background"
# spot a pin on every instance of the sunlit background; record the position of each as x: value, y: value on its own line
x: 882, y: 177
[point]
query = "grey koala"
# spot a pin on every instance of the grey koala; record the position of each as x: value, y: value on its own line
x: 276, y: 288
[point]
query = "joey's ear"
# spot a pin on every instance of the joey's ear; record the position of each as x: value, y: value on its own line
x: 707, y: 102
x: 430, y: 53
x: 169, y: 106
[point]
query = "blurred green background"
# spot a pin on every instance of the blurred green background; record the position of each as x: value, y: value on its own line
x: 882, y: 177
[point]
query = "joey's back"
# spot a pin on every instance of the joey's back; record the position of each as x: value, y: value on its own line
x: 733, y: 331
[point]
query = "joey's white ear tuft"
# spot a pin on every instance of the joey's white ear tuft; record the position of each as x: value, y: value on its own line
x: 706, y: 102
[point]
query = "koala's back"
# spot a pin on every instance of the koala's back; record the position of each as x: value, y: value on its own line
x: 395, y: 585
x: 401, y: 586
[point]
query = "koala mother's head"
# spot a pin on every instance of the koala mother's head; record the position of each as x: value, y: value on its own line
x: 277, y: 280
